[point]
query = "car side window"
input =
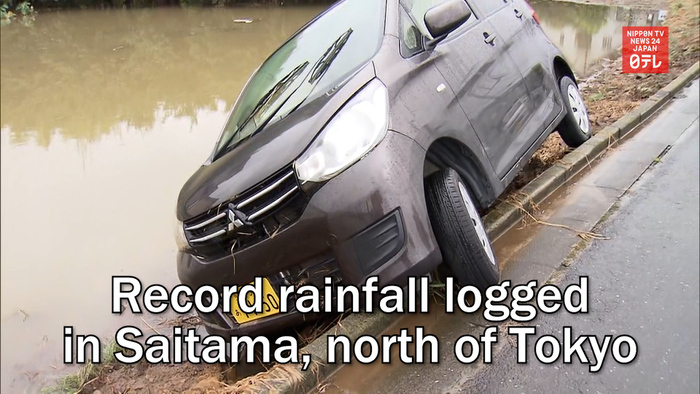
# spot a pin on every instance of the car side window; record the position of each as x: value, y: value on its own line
x: 488, y: 7
x: 411, y: 40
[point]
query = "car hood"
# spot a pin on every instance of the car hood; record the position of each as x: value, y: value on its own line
x: 275, y: 146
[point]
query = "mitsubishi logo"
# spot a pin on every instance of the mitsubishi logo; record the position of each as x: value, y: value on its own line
x: 233, y: 221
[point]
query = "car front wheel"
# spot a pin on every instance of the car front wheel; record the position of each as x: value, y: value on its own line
x: 465, y: 246
x: 575, y: 128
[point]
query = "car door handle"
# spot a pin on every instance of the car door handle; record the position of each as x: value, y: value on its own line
x: 518, y: 14
x: 488, y: 38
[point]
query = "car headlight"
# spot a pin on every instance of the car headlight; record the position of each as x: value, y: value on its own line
x: 180, y: 238
x: 356, y: 129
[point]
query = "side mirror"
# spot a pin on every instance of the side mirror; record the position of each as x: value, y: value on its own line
x: 445, y: 18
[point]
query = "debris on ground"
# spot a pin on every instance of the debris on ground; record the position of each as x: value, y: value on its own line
x: 609, y: 94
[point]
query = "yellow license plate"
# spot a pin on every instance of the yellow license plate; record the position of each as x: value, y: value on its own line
x: 271, y: 304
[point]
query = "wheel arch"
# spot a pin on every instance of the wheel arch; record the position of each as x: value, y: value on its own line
x: 562, y: 69
x: 449, y: 152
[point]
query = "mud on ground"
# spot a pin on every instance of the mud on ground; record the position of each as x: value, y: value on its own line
x: 144, y: 378
x: 609, y: 94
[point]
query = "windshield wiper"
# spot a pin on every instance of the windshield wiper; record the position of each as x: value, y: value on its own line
x: 328, y: 57
x: 315, y: 74
x: 323, y: 64
x: 279, y: 87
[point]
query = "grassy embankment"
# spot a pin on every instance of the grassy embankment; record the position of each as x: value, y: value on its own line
x: 609, y: 94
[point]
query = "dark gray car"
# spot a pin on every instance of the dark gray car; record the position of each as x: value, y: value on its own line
x: 368, y: 144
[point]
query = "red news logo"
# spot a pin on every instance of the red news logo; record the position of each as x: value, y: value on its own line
x: 645, y: 49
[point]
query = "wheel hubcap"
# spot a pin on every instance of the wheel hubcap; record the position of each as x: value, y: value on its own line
x: 476, y: 222
x: 578, y: 108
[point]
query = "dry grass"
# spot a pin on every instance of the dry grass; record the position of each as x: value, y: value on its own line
x: 552, y: 150
x: 309, y: 332
x: 610, y: 94
x: 585, y: 235
x: 684, y: 31
x: 266, y: 382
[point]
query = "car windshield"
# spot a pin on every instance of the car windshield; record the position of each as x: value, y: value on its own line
x: 310, y: 63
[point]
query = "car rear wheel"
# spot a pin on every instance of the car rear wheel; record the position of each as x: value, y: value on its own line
x: 575, y: 128
x: 465, y: 246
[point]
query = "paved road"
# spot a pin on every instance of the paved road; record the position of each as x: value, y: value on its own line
x: 647, y: 262
x: 643, y: 282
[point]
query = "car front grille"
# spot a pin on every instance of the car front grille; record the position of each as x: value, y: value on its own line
x: 312, y: 272
x: 257, y: 214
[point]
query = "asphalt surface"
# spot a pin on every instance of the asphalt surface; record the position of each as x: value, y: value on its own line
x: 643, y: 282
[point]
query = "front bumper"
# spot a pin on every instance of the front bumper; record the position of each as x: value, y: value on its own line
x: 327, y: 236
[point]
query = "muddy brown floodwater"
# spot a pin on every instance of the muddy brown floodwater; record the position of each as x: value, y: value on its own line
x: 588, y: 33
x: 104, y: 115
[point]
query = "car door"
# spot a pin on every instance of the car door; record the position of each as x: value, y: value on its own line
x: 423, y: 106
x: 528, y: 47
x: 474, y: 62
x: 530, y: 51
x: 522, y: 49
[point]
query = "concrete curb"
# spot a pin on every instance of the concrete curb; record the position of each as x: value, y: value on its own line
x: 498, y: 221
x: 507, y: 213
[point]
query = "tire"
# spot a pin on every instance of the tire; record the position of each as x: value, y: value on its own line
x: 575, y: 128
x: 466, y: 249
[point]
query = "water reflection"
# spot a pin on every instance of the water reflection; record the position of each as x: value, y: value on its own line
x: 104, y: 116
x: 587, y: 33
x: 82, y: 73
